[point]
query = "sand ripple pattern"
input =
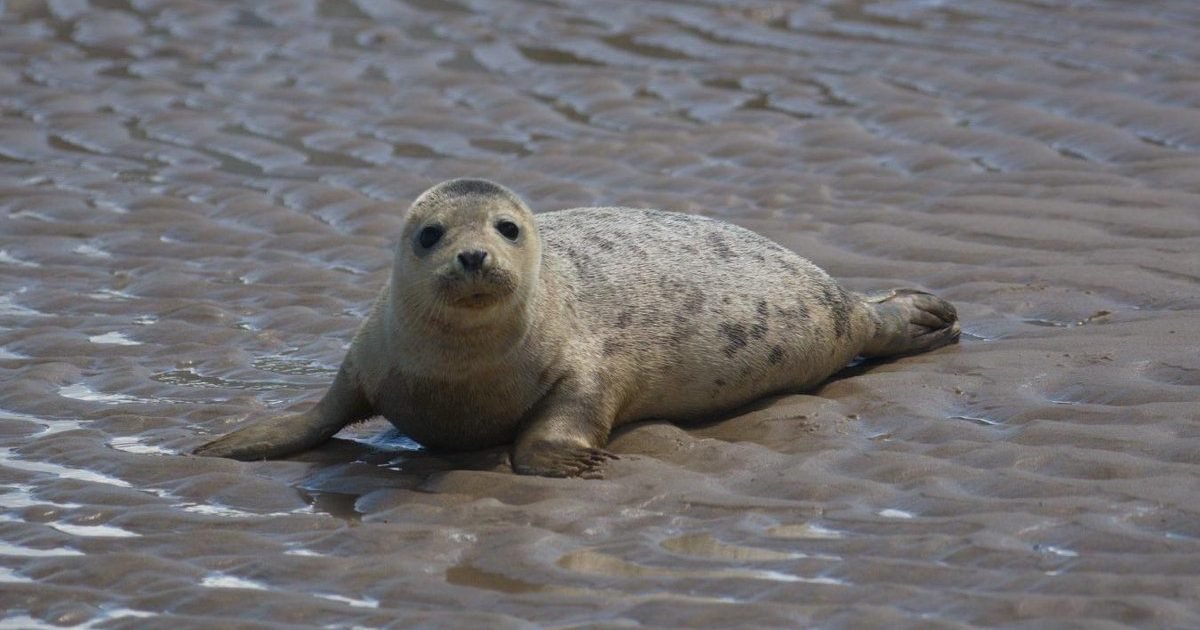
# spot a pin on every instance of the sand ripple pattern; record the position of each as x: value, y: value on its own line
x: 196, y: 204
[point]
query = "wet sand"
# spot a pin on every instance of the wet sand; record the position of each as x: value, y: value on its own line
x: 196, y: 202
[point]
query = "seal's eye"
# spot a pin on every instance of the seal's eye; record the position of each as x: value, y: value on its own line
x: 429, y: 236
x: 508, y: 230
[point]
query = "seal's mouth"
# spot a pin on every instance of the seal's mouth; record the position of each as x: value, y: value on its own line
x: 477, y: 290
x: 476, y: 300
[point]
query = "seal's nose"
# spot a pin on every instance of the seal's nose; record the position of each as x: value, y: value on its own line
x: 472, y: 260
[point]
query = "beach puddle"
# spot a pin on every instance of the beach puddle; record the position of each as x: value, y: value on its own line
x: 9, y: 459
x: 593, y: 562
x: 705, y: 546
x: 114, y: 338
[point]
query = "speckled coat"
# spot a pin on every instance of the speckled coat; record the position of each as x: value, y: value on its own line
x: 577, y: 321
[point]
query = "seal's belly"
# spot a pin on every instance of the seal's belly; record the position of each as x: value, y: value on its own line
x: 700, y: 385
x: 456, y: 415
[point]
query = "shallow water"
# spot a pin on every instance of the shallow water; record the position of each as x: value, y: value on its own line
x: 196, y: 202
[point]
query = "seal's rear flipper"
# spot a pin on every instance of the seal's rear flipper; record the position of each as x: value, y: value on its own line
x: 908, y: 321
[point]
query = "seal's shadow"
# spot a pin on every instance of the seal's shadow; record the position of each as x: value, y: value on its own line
x: 344, y: 470
x: 419, y: 462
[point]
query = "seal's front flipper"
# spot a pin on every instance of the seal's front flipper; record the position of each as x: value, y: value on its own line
x: 909, y: 321
x: 290, y: 434
x: 270, y: 438
x: 565, y: 432
x: 559, y: 460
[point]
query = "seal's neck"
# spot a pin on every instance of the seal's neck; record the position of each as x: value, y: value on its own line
x: 460, y: 339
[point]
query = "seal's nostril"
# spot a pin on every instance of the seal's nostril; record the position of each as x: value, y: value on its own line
x: 472, y: 260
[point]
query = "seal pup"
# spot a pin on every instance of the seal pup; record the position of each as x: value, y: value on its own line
x: 547, y: 332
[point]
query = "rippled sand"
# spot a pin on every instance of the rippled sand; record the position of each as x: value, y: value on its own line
x: 196, y: 202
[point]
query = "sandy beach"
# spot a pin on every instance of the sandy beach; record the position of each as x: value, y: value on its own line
x: 197, y: 206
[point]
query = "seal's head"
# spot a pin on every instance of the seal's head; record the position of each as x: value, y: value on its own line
x: 469, y: 252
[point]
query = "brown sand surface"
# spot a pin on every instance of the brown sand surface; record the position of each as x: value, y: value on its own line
x: 196, y: 206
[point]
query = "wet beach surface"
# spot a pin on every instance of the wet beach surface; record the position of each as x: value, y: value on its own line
x: 196, y: 206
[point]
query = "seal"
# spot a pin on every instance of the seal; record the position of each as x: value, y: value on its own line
x: 498, y: 327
